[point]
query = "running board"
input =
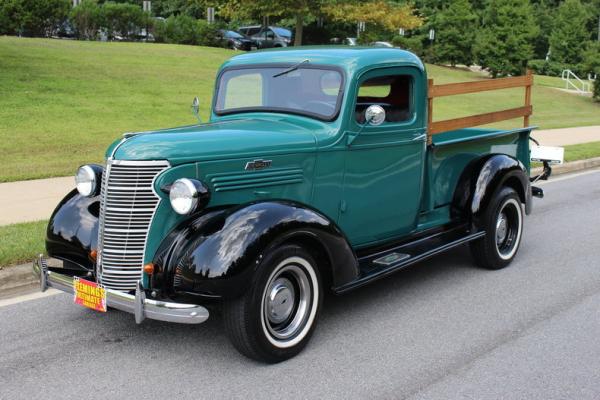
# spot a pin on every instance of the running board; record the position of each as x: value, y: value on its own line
x: 378, y: 265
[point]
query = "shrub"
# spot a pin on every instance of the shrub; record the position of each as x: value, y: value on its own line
x: 33, y: 17
x: 596, y: 93
x: 183, y: 29
x: 122, y: 19
x: 86, y: 19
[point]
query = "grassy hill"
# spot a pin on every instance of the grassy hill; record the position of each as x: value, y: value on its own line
x: 62, y: 102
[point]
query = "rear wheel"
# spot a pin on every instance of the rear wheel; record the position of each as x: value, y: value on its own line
x: 503, y: 223
x: 275, y: 319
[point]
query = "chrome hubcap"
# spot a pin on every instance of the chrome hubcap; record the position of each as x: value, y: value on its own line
x: 287, y: 302
x: 501, y: 228
x: 280, y: 302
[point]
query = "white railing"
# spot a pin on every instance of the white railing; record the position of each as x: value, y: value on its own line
x: 573, y: 82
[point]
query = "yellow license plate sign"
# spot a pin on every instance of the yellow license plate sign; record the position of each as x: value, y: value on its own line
x: 89, y: 294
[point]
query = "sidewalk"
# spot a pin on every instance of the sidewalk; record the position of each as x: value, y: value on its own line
x: 35, y: 200
x: 567, y: 136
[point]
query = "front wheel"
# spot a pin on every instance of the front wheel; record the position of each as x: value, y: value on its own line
x: 503, y: 223
x: 274, y: 320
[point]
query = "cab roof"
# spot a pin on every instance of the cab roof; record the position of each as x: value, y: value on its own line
x: 350, y: 58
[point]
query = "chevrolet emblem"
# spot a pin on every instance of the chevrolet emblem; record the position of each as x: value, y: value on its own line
x: 257, y: 165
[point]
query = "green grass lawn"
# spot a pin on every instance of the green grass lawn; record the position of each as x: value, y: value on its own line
x: 62, y: 102
x: 21, y: 243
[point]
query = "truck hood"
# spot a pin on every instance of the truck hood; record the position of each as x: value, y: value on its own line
x: 219, y: 140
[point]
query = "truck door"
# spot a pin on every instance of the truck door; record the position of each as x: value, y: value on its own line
x: 384, y: 166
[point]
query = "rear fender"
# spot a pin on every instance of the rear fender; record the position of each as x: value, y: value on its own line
x: 216, y: 254
x: 482, y: 178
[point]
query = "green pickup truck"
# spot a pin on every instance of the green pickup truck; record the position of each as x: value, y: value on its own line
x: 316, y: 172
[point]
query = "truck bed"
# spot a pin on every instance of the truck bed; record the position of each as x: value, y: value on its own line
x: 451, y: 152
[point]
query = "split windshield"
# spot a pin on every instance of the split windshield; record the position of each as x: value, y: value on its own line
x: 298, y: 89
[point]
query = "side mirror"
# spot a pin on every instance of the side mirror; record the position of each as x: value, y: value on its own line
x: 374, y: 115
x: 196, y: 108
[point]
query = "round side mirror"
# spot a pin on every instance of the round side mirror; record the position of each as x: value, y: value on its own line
x: 196, y: 106
x: 374, y: 115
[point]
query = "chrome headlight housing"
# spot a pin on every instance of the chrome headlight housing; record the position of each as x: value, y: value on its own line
x: 87, y: 180
x: 188, y: 195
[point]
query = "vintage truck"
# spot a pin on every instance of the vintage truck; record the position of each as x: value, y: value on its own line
x: 320, y: 169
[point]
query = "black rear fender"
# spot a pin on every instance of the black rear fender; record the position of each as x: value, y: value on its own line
x: 482, y: 177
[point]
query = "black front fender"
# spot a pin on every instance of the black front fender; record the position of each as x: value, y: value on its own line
x: 483, y: 177
x: 216, y: 254
x: 73, y: 230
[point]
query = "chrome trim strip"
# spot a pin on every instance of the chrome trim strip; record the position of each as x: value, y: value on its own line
x: 136, y: 304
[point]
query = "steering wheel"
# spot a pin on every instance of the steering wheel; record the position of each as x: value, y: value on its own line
x: 320, y: 103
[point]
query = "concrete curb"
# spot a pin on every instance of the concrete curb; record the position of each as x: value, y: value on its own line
x: 14, y: 278
x: 572, y: 166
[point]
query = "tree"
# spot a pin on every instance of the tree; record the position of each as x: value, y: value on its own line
x: 33, y: 17
x: 505, y: 42
x: 382, y: 13
x: 455, y: 28
x: 569, y: 36
x: 86, y: 19
x: 592, y: 65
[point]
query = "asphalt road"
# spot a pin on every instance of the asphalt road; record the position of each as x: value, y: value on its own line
x: 440, y: 330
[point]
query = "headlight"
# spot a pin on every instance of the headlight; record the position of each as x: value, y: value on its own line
x: 188, y: 195
x: 86, y: 180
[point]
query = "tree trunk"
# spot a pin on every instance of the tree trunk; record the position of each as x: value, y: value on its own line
x: 299, y: 29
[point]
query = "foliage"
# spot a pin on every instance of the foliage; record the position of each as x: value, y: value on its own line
x: 122, y: 19
x: 33, y: 17
x: 413, y: 43
x: 184, y: 29
x: 86, y: 19
x: 569, y: 33
x: 456, y: 25
x: 387, y: 15
x: 592, y: 66
x: 554, y: 68
x: 504, y: 43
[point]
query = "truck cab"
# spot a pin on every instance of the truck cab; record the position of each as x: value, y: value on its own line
x: 317, y: 171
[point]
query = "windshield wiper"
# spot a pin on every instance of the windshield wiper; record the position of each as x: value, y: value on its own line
x: 290, y: 69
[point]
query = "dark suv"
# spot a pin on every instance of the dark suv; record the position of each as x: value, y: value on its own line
x: 268, y: 36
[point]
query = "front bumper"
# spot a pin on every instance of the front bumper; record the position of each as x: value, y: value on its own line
x: 136, y: 304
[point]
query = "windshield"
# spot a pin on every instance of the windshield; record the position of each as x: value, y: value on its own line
x: 301, y: 89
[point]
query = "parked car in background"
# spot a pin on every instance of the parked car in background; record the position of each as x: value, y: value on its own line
x: 249, y: 31
x: 268, y: 36
x: 234, y: 40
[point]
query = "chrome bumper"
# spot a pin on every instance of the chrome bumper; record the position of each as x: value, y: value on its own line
x: 136, y: 304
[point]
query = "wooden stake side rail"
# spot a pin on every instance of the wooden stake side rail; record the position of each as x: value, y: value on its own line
x: 451, y: 89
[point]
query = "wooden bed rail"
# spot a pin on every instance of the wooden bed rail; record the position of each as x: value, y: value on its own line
x: 451, y: 89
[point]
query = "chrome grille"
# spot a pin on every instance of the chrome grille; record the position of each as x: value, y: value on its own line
x: 127, y: 206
